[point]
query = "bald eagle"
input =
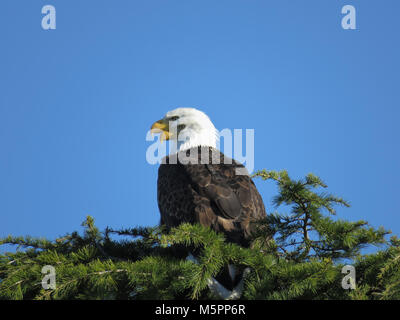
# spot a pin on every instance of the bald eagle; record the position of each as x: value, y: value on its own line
x: 199, y: 184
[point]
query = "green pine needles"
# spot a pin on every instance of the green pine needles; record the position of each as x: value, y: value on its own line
x: 298, y: 255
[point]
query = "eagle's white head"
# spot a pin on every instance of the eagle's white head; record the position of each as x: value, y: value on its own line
x: 188, y: 128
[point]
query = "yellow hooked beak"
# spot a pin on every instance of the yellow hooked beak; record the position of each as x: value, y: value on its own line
x: 161, y: 126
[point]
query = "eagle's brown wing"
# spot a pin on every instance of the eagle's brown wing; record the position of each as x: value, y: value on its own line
x: 212, y: 194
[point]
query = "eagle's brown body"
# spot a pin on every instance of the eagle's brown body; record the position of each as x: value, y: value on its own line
x: 212, y: 194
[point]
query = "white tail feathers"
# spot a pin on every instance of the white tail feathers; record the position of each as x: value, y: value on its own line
x: 218, y: 289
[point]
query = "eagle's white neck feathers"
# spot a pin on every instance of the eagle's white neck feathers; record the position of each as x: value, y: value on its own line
x: 193, y: 127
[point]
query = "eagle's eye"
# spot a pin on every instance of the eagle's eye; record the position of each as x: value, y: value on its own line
x: 174, y: 118
x: 181, y: 127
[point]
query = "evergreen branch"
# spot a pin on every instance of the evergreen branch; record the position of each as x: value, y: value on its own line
x: 292, y: 256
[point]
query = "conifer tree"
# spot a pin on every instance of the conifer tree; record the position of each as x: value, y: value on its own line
x: 297, y: 255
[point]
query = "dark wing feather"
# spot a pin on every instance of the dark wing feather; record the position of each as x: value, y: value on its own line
x: 209, y: 182
x: 210, y: 194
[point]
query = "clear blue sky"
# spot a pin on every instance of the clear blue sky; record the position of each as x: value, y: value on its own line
x: 76, y: 102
